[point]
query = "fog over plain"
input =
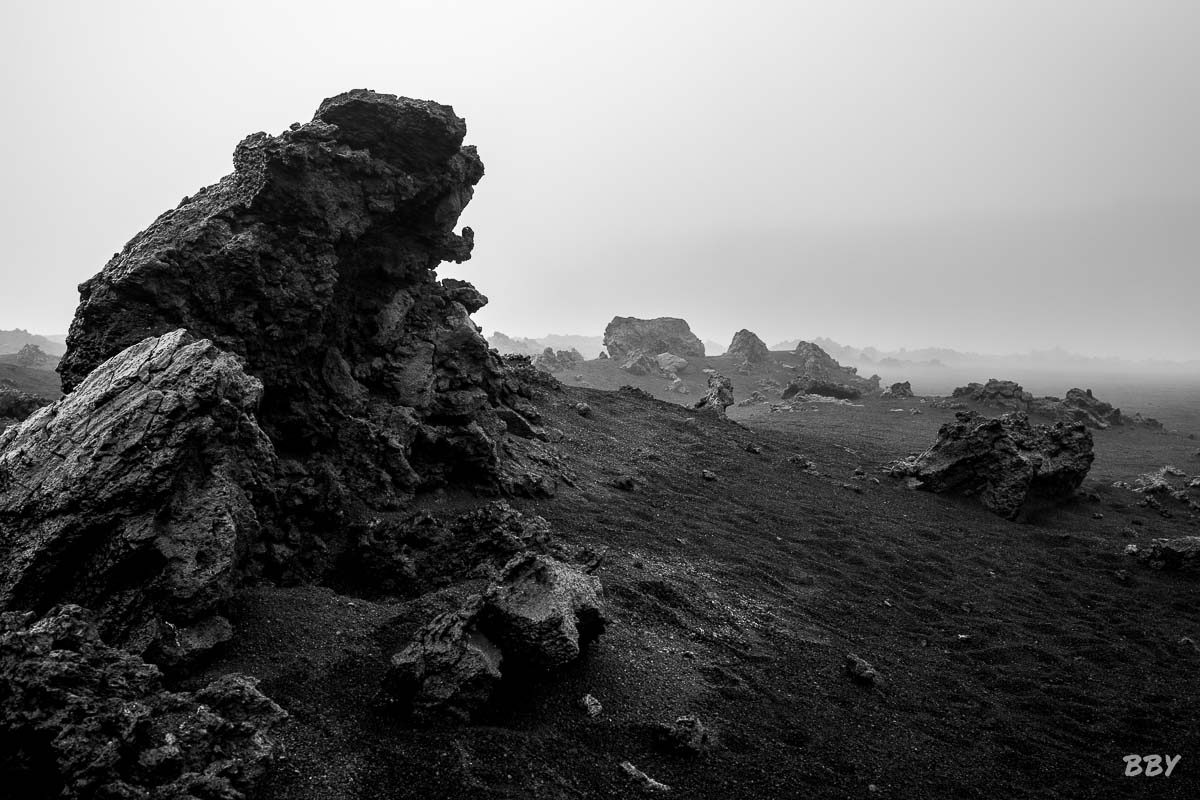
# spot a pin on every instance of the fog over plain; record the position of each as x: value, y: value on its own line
x: 987, y: 176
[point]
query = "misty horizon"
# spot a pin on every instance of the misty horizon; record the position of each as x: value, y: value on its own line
x: 992, y: 179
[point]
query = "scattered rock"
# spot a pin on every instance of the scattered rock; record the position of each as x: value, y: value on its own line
x: 591, y: 705
x: 708, y: 475
x: 583, y: 410
x: 898, y: 390
x: 644, y: 781
x: 153, y: 466
x: 686, y: 735
x: 719, y: 397
x: 747, y: 347
x: 83, y: 720
x: 1182, y: 552
x: 626, y: 482
x: 861, y: 671
x: 670, y: 363
x: 1011, y: 466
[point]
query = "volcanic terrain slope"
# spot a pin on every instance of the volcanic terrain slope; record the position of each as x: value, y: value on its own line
x: 332, y: 547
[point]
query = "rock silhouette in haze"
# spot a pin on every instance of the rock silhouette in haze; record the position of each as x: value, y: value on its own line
x: 747, y: 347
x: 1011, y: 466
x: 627, y: 336
x: 83, y: 720
x: 898, y: 390
x: 818, y: 373
x: 314, y: 263
x: 138, y: 495
x: 538, y: 616
x: 1080, y: 405
x: 550, y: 361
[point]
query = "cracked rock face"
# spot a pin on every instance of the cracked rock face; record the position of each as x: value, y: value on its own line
x: 136, y: 494
x: 314, y: 262
x: 1011, y: 466
x: 82, y: 720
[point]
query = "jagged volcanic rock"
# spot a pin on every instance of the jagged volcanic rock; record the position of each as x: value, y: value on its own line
x: 314, y: 262
x: 539, y: 615
x: 82, y: 720
x: 1008, y: 395
x: 139, y: 494
x: 898, y: 390
x: 550, y: 361
x: 719, y: 396
x: 628, y: 336
x: 748, y: 347
x: 1011, y: 466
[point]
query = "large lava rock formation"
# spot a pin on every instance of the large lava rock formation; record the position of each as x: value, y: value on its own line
x: 1011, y: 466
x: 314, y: 263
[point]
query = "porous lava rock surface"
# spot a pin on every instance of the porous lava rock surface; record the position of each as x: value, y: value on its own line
x: 82, y: 720
x: 628, y: 336
x: 314, y: 262
x: 748, y: 347
x: 719, y: 396
x: 139, y: 494
x: 1011, y: 466
x: 539, y: 615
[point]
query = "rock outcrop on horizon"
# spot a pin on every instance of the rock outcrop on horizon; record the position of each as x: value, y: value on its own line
x: 817, y: 373
x: 314, y: 262
x: 550, y: 361
x: 898, y: 391
x: 626, y: 337
x: 747, y: 347
x: 139, y: 495
x: 1079, y: 405
x: 1012, y: 467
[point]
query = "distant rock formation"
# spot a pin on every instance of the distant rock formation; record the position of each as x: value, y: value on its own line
x: 550, y: 361
x: 1011, y: 466
x: 627, y: 336
x: 515, y: 344
x: 314, y: 263
x: 747, y: 347
x: 1078, y: 406
x: 153, y: 467
x: 817, y: 373
x: 898, y: 390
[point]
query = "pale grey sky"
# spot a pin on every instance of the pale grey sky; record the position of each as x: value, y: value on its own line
x: 988, y: 175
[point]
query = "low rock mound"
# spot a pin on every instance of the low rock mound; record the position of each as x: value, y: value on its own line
x: 82, y: 720
x: 628, y: 336
x: 139, y: 494
x: 1079, y: 406
x: 748, y: 347
x: 1011, y: 466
